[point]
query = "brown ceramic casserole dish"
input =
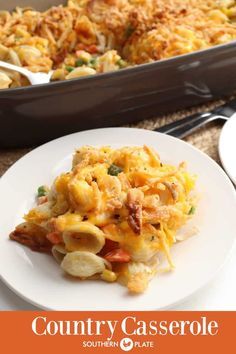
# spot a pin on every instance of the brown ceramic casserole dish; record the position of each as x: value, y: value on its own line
x: 32, y: 115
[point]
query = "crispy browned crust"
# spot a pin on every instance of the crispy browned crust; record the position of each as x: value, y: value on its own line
x: 134, y: 205
x: 172, y: 189
x: 32, y: 236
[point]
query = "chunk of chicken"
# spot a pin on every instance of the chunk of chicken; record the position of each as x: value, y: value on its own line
x: 32, y: 236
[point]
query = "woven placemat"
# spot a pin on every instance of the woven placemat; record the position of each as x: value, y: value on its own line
x: 206, y: 139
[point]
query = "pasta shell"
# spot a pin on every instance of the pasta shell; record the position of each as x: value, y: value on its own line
x: 59, y: 252
x: 3, y: 52
x: 81, y: 71
x: 14, y: 58
x: 5, y: 81
x: 66, y: 221
x: 108, y: 61
x: 82, y: 264
x: 83, y: 237
x: 82, y: 195
x: 27, y: 52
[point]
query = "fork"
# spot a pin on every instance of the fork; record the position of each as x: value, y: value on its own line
x: 34, y: 78
x: 186, y: 126
x: 190, y: 124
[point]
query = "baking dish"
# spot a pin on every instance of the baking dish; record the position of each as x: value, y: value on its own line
x: 33, y: 115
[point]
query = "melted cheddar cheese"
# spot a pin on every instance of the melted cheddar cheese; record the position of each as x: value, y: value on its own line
x: 112, y: 215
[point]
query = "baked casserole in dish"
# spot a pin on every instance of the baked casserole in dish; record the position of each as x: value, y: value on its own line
x: 146, y: 52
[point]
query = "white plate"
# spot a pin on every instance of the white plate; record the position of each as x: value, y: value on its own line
x: 227, y: 147
x: 37, y: 277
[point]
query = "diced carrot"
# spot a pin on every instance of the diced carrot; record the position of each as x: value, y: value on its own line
x: 80, y: 46
x: 54, y: 237
x: 79, y: 52
x: 118, y: 255
x: 92, y: 49
x: 108, y: 247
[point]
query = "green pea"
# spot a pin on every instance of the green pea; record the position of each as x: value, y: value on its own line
x: 192, y: 210
x: 69, y: 68
x: 93, y: 62
x: 80, y: 62
x: 121, y: 63
x: 42, y: 191
x: 114, y: 170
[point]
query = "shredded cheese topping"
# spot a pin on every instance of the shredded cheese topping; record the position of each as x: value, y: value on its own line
x: 86, y: 37
x: 111, y: 215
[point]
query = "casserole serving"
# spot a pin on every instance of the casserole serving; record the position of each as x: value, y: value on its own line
x: 112, y: 215
x: 43, y: 112
x: 37, y: 277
